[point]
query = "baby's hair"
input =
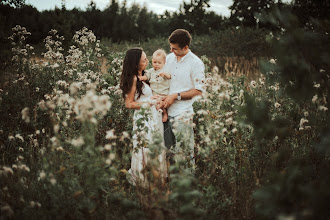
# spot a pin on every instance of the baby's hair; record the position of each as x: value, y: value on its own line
x: 159, y: 53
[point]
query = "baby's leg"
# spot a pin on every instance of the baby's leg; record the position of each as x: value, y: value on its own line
x: 165, y: 116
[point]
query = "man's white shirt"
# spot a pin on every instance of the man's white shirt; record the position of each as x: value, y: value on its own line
x: 186, y: 74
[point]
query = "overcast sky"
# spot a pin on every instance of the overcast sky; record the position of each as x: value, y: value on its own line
x: 156, y: 6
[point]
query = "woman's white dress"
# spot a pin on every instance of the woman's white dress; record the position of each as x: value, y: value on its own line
x: 144, y: 140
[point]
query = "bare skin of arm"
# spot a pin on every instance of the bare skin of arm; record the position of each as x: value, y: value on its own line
x: 169, y: 100
x: 129, y: 99
x: 167, y: 75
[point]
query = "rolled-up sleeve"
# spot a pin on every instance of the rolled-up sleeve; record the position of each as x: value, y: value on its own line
x: 198, y: 75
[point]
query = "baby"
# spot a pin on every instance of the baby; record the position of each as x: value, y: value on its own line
x: 159, y: 80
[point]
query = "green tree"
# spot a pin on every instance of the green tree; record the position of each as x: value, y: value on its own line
x: 305, y: 9
x: 245, y: 12
x: 13, y: 3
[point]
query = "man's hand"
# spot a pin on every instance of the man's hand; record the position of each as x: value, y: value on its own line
x: 168, y: 100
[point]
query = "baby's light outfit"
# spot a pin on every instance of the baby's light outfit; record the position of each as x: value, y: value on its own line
x: 159, y: 85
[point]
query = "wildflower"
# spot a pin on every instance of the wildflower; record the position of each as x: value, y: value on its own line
x: 202, y: 112
x: 314, y: 99
x: 11, y: 137
x: 317, y: 85
x: 7, y: 170
x: 112, y: 156
x: 272, y: 61
x: 323, y: 108
x: 111, y: 134
x: 306, y: 114
x: 303, y: 121
x: 215, y: 69
x: 234, y: 130
x: 42, y: 175
x: 25, y: 115
x: 277, y: 105
x: 224, y: 131
x: 19, y: 137
x: 78, y: 142
x: 56, y: 128
x: 60, y: 148
x: 24, y: 168
x: 52, y: 181
x: 107, y: 147
x: 32, y: 204
x: 301, y: 124
x: 7, y: 209
x: 253, y: 84
x: 229, y: 121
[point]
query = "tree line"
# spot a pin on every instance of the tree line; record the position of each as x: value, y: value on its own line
x: 120, y: 22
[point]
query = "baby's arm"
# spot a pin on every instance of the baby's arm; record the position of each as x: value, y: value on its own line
x: 167, y: 75
x: 143, y: 78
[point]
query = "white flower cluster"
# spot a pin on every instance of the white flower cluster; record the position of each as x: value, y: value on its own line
x: 84, y: 36
x: 53, y: 44
x: 20, y: 49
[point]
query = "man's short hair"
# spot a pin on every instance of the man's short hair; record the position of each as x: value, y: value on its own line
x: 181, y: 37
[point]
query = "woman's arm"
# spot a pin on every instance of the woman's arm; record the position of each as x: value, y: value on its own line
x: 129, y: 98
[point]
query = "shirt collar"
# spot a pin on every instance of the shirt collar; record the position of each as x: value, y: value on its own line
x: 185, y: 56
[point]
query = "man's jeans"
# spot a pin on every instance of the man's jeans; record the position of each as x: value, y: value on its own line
x: 179, y: 139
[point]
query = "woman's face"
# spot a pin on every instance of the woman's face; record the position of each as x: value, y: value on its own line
x: 143, y: 62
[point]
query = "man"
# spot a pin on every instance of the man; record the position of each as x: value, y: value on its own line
x: 187, y: 72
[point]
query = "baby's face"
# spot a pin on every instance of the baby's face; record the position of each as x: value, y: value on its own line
x: 158, y: 62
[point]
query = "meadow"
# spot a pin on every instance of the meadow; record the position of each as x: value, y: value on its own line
x: 262, y: 135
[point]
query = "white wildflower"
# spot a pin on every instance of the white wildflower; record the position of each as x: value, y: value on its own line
x: 52, y: 181
x: 111, y: 134
x: 314, y: 99
x: 18, y: 136
x: 277, y: 105
x: 112, y: 156
x: 253, y: 84
x: 56, y: 128
x: 7, y: 170
x: 323, y: 108
x: 42, y: 175
x: 25, y: 115
x: 107, y: 147
x: 272, y: 61
x: 60, y: 148
x: 78, y: 142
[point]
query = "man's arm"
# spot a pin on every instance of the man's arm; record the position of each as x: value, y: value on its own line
x: 169, y: 100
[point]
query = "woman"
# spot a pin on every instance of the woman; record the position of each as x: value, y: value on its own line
x: 146, y: 127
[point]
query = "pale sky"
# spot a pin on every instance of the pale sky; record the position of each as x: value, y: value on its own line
x: 157, y: 6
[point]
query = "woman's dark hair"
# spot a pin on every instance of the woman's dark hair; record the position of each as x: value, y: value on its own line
x: 181, y: 37
x: 130, y: 70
